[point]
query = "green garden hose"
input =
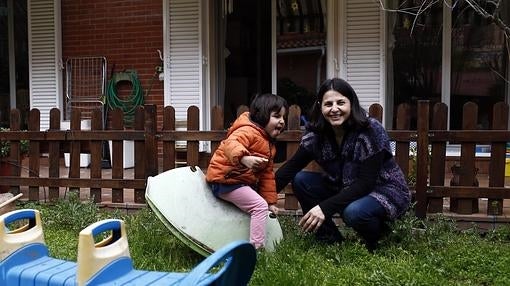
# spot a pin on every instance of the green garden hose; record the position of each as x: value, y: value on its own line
x: 128, y: 105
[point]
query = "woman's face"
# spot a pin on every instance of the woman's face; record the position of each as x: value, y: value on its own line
x: 276, y: 123
x: 335, y: 108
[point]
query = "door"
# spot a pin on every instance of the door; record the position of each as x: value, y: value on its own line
x: 268, y: 46
x: 13, y: 60
x: 242, y: 45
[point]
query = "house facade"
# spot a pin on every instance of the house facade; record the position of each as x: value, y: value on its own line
x: 207, y: 53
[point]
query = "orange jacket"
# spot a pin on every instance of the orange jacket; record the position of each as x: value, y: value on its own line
x: 244, y: 138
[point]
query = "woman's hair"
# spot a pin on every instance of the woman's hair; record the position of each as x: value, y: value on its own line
x: 358, y: 118
x: 262, y: 106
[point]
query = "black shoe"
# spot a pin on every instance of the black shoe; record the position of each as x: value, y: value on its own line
x: 334, y: 237
x: 371, y: 246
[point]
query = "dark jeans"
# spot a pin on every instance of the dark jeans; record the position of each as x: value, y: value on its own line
x: 365, y: 215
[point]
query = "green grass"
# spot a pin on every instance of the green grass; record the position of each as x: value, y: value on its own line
x: 415, y: 253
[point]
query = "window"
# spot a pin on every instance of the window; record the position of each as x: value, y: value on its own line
x: 431, y: 58
x: 415, y: 47
x: 478, y: 64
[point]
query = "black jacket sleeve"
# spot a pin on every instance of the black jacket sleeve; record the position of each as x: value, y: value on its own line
x: 289, y: 169
x: 361, y: 187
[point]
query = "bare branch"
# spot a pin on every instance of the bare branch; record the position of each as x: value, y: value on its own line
x: 418, y: 10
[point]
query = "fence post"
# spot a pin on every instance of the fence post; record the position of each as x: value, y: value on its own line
x: 140, y: 172
x: 75, y: 148
x: 438, y: 156
x: 241, y: 109
x: 95, y: 154
x: 217, y: 118
x: 498, y: 156
x: 35, y: 155
x: 192, y: 151
x: 116, y: 155
x: 54, y: 154
x: 376, y: 111
x: 291, y: 202
x: 168, y: 146
x: 151, y: 146
x: 422, y: 155
x: 402, y: 148
x: 467, y: 162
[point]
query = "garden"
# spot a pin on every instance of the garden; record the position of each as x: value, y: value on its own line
x: 417, y: 252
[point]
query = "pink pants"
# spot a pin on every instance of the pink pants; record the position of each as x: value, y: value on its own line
x: 252, y: 203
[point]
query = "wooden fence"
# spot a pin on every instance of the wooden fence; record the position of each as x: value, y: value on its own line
x: 427, y: 165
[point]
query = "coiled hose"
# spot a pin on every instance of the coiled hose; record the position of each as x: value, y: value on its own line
x: 128, y: 105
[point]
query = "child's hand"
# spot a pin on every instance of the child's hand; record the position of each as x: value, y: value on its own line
x: 255, y: 163
x: 273, y: 208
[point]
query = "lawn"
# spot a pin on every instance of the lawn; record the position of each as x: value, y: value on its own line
x: 415, y: 253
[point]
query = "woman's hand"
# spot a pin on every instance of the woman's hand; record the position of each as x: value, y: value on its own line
x: 255, y: 163
x: 312, y: 220
x: 273, y: 208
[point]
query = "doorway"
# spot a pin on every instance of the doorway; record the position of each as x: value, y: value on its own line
x: 14, y: 84
x: 247, y: 52
x: 245, y: 34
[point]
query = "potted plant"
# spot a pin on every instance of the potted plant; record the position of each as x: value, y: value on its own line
x: 5, y: 152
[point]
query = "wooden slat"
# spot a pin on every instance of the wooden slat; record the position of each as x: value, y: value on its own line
x: 95, y: 155
x: 117, y: 152
x: 217, y: 123
x: 470, y: 136
x: 151, y: 146
x: 468, y: 192
x: 498, y: 156
x: 293, y: 124
x: 74, y: 182
x: 467, y: 162
x: 54, y: 155
x: 241, y: 109
x: 376, y: 111
x: 422, y: 158
x: 403, y: 135
x: 402, y: 147
x: 139, y: 154
x: 81, y: 135
x: 74, y: 156
x: 438, y: 155
x: 34, y: 155
x: 192, y: 145
x: 168, y: 146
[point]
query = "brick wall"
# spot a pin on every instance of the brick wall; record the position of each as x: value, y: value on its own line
x: 128, y: 33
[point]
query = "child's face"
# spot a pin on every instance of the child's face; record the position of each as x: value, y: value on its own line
x: 276, y: 123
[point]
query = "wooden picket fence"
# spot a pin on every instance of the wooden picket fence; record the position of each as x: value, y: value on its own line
x: 155, y: 151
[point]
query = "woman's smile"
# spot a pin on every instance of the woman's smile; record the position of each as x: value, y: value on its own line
x: 335, y: 108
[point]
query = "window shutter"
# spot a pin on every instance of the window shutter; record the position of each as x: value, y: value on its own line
x: 183, y: 57
x: 44, y: 57
x: 363, y: 53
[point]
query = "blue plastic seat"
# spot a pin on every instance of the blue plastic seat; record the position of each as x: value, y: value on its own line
x: 238, y: 260
x: 28, y: 262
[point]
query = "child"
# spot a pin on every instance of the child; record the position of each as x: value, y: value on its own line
x: 241, y: 169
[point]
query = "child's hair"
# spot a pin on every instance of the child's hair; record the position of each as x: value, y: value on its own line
x: 262, y: 106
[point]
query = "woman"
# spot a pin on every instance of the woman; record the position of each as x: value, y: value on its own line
x: 361, y: 181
